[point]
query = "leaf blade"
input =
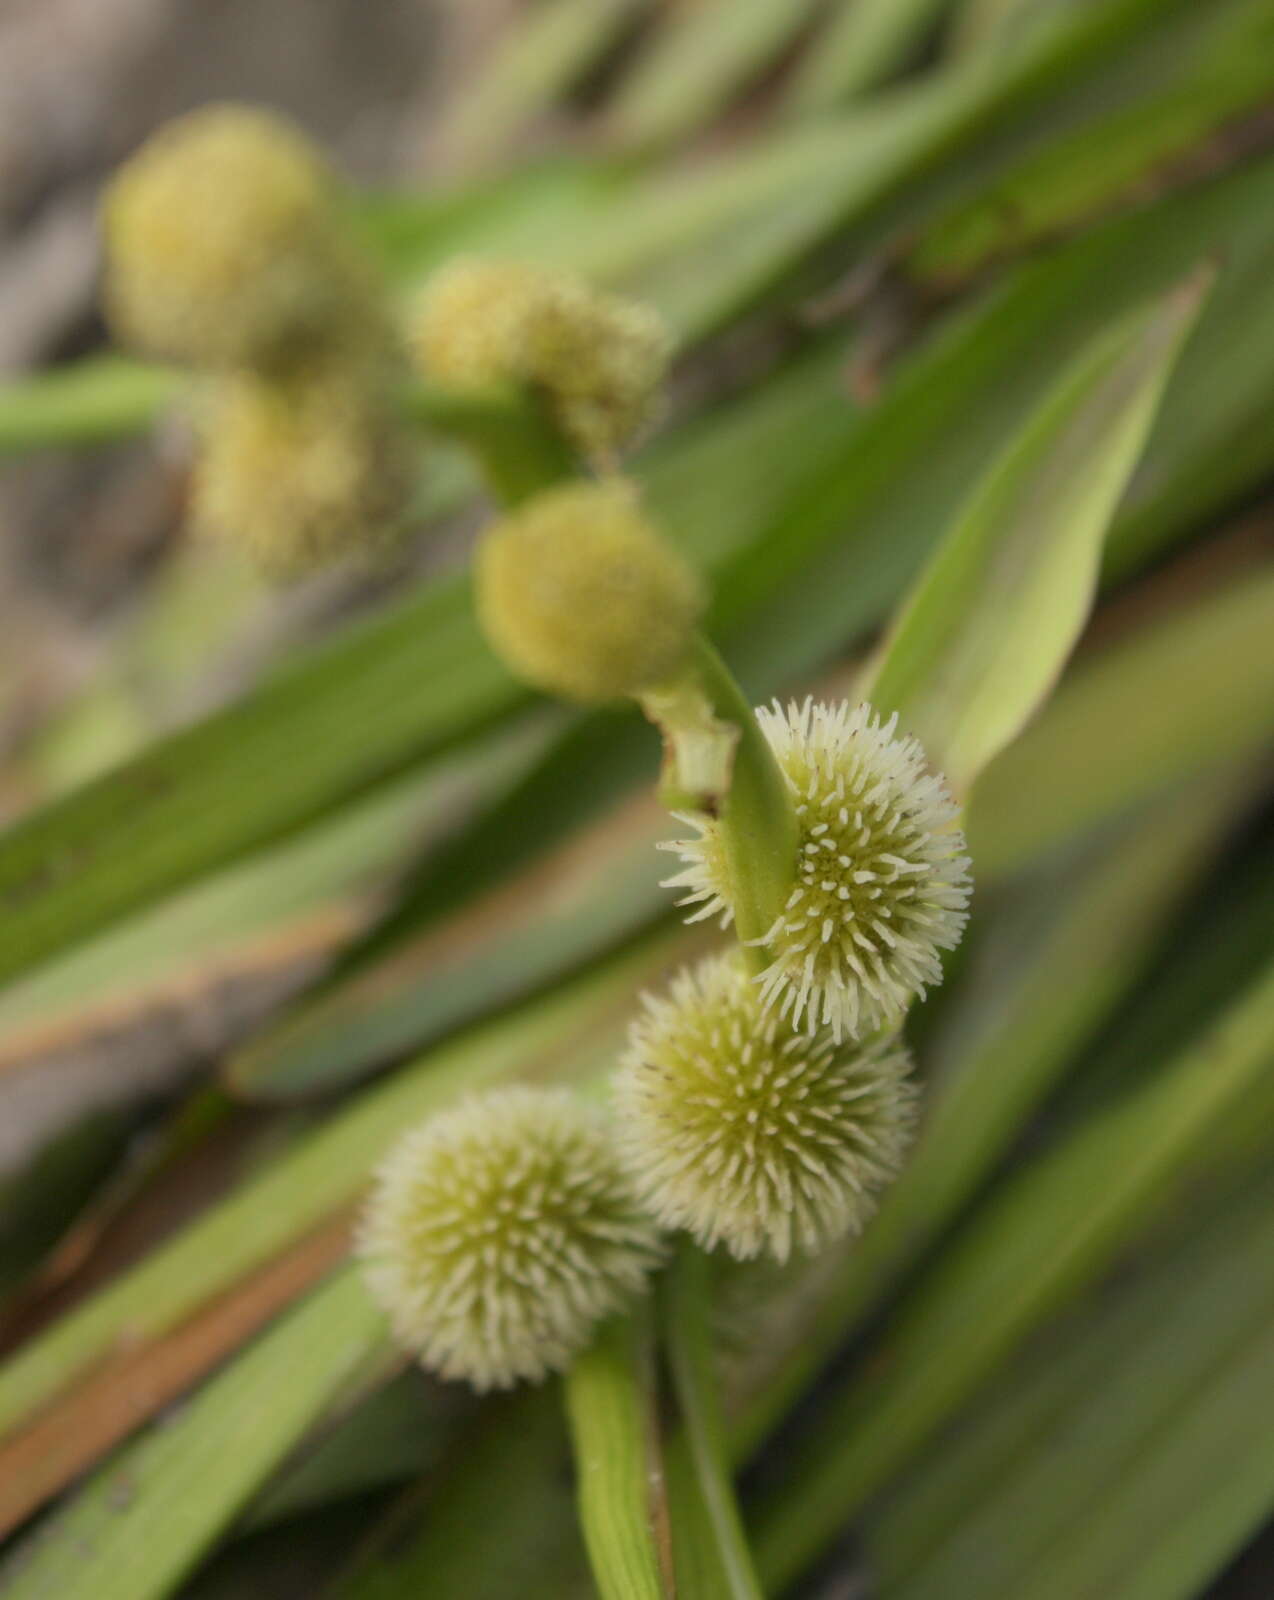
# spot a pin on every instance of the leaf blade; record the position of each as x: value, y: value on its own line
x: 987, y: 628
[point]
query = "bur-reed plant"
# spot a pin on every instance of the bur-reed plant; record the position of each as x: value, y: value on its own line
x: 764, y: 1101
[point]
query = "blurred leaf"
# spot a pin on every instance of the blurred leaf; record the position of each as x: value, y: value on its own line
x: 1206, y: 67
x: 1043, y: 1237
x: 410, y: 685
x: 41, y: 1198
x: 611, y: 1406
x: 985, y: 632
x: 1050, y: 963
x: 143, y: 1522
x: 537, y: 58
x: 1124, y: 1455
x: 508, y: 1479
x: 399, y: 1430
x: 865, y: 42
x: 82, y: 403
x: 700, y: 57
x: 1162, y: 702
x: 563, y: 1033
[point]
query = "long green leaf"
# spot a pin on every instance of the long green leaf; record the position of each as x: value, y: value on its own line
x: 507, y: 1482
x: 864, y: 42
x: 1046, y: 1236
x: 535, y: 60
x: 1158, y: 102
x: 143, y: 1522
x: 1137, y: 737
x: 1082, y: 1473
x: 697, y: 61
x: 557, y: 1035
x: 383, y: 696
x: 985, y: 632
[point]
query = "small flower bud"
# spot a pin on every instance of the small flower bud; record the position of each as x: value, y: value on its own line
x: 748, y: 1132
x: 582, y: 597
x: 882, y: 880
x: 303, y: 471
x: 500, y: 1233
x: 600, y: 360
x: 222, y: 247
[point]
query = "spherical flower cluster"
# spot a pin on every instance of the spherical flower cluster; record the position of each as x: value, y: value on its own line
x: 501, y: 1232
x: 882, y: 880
x: 582, y: 596
x: 749, y: 1132
x: 301, y: 471
x: 221, y: 248
x: 598, y: 359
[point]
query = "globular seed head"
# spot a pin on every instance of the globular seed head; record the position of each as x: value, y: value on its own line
x: 582, y: 596
x: 599, y: 360
x: 882, y: 882
x: 751, y: 1133
x: 303, y: 471
x: 500, y: 1233
x: 221, y: 245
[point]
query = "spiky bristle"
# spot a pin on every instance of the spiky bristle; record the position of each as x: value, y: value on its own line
x: 501, y: 1232
x: 882, y: 879
x: 749, y: 1132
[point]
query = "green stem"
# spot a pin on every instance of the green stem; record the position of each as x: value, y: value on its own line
x: 610, y: 1406
x: 520, y: 449
x: 688, y: 1345
x: 720, y: 762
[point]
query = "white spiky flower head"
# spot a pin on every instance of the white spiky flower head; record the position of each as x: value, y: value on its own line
x: 749, y: 1132
x: 501, y: 1232
x: 882, y: 879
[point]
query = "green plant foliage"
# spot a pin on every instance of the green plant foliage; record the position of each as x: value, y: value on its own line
x: 973, y: 314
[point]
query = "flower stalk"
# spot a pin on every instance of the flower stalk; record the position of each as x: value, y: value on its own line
x: 718, y: 763
x: 518, y: 446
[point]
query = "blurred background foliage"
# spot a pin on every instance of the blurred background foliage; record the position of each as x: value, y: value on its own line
x: 286, y: 867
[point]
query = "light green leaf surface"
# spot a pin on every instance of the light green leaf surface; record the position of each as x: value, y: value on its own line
x: 697, y: 60
x: 987, y: 629
x: 1158, y: 704
x: 863, y: 43
x: 562, y: 1033
x: 1128, y: 1452
x: 142, y: 1522
x: 1042, y: 1239
x: 537, y: 58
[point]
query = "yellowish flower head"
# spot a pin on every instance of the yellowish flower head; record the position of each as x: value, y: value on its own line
x: 500, y: 1233
x: 882, y: 879
x: 581, y: 596
x: 305, y: 471
x: 221, y: 243
x: 599, y: 360
x: 751, y: 1133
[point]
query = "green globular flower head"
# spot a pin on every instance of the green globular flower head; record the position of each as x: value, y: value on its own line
x: 882, y: 879
x: 599, y: 360
x: 583, y: 597
x: 501, y: 1232
x: 221, y: 243
x: 749, y: 1132
x: 303, y: 471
